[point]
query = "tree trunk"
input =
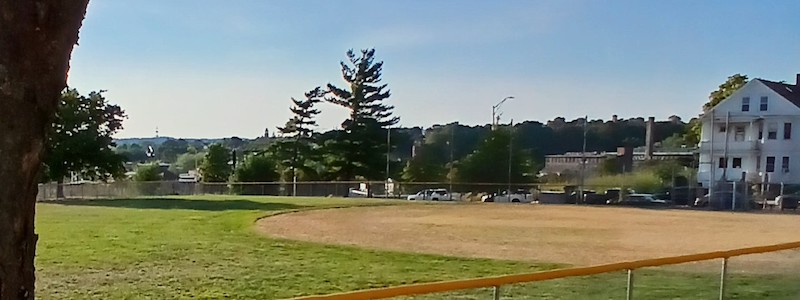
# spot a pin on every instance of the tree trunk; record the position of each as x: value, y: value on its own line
x: 36, y: 40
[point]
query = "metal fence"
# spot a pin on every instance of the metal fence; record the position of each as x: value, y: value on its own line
x: 551, y: 193
x: 498, y: 285
x: 724, y: 195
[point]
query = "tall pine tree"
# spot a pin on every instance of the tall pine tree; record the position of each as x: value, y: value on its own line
x: 360, y: 148
x: 296, y: 151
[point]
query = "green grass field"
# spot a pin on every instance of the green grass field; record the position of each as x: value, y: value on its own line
x: 207, y: 247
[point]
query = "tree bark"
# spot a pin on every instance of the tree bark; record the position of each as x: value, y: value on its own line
x: 36, y: 40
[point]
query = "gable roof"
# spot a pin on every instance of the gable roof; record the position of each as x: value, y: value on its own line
x: 789, y: 91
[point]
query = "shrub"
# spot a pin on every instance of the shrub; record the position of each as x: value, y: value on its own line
x: 641, y: 182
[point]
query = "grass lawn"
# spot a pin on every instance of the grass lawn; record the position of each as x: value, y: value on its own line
x: 207, y: 247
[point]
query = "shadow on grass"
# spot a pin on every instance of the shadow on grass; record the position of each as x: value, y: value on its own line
x: 172, y: 203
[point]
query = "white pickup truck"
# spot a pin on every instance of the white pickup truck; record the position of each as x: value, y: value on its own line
x: 432, y: 194
x: 519, y: 196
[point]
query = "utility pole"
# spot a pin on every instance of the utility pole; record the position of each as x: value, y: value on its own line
x: 388, y: 150
x: 583, y: 161
x: 510, y: 140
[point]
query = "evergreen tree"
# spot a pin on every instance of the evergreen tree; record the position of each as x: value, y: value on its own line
x: 296, y: 150
x: 360, y: 148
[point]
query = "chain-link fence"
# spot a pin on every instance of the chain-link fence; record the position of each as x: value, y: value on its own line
x: 738, y: 196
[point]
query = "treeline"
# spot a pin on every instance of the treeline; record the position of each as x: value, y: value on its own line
x: 366, y: 147
x: 475, y: 148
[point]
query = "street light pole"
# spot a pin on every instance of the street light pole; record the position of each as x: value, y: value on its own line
x: 450, y: 173
x: 494, y: 111
x: 510, y: 145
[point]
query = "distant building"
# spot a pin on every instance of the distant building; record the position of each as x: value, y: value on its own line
x: 570, y: 163
x: 749, y: 135
x: 627, y: 158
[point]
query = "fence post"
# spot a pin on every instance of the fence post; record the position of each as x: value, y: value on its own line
x: 733, y: 197
x: 722, y: 276
x: 496, y: 292
x: 630, y: 285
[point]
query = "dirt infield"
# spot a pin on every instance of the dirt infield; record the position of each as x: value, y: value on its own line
x: 559, y: 234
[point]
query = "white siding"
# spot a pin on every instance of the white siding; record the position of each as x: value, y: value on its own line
x: 749, y: 147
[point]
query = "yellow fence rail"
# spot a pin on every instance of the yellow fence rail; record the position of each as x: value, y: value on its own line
x: 496, y: 282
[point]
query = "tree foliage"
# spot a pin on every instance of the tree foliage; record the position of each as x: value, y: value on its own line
x: 733, y: 83
x: 80, y: 138
x: 491, y: 160
x: 256, y: 168
x: 132, y: 152
x: 170, y: 149
x: 187, y: 161
x: 215, y: 166
x: 361, y: 144
x: 295, y: 151
x: 148, y: 172
x: 426, y: 166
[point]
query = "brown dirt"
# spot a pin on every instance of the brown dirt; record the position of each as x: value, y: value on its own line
x: 546, y: 233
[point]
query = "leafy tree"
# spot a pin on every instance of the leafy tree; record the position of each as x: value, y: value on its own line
x: 734, y: 82
x: 36, y: 41
x: 234, y: 142
x: 169, y: 150
x: 132, y: 153
x: 187, y: 161
x: 666, y: 170
x: 256, y: 168
x: 296, y: 151
x: 360, y: 146
x: 490, y: 161
x: 81, y: 140
x: 148, y: 172
x: 426, y: 166
x: 216, y: 167
x: 675, y: 141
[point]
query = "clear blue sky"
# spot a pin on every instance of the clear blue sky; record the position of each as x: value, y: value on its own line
x: 228, y: 68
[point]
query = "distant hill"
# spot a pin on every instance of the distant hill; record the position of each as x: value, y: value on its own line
x: 160, y: 140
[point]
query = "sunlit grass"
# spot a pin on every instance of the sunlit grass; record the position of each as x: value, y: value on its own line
x: 207, y: 247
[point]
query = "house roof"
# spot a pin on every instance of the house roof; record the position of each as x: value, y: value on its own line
x: 789, y: 91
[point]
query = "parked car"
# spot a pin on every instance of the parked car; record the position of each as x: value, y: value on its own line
x: 641, y: 200
x: 519, y: 196
x: 723, y: 200
x: 430, y: 194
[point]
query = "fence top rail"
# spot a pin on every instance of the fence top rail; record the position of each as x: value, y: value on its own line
x: 446, y: 286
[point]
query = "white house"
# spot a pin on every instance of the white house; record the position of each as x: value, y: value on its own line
x: 753, y: 134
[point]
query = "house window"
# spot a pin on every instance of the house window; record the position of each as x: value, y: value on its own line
x: 746, y: 104
x: 772, y: 131
x: 758, y: 163
x: 722, y: 128
x: 785, y: 164
x: 736, y: 163
x: 770, y: 164
x: 738, y: 135
x: 764, y: 103
x: 787, y: 131
x: 723, y: 162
